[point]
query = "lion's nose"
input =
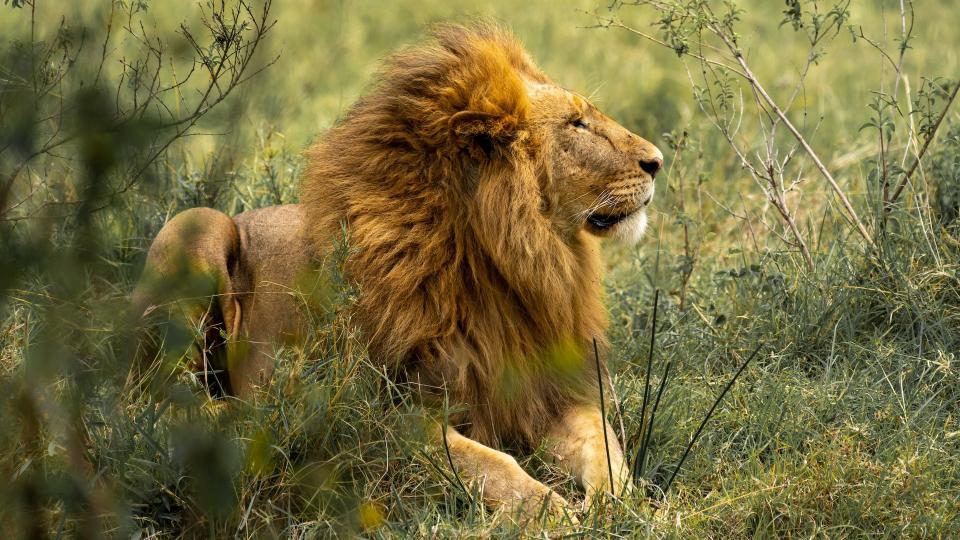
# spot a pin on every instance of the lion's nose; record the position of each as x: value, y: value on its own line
x: 651, y: 165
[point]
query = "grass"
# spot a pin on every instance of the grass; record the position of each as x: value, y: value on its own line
x: 844, y: 425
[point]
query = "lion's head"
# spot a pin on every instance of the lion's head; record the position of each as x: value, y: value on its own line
x: 593, y: 174
x: 597, y: 175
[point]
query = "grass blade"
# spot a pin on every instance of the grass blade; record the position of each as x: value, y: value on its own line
x: 603, y: 412
x: 653, y: 413
x: 446, y: 449
x: 646, y: 385
x: 706, y: 418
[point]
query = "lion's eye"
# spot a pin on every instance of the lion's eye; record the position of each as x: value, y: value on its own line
x: 579, y: 123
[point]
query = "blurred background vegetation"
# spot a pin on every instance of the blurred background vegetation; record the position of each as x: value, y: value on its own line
x: 116, y: 115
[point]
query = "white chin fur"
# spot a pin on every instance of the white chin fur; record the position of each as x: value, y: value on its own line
x: 630, y: 230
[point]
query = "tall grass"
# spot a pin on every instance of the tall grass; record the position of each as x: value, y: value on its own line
x: 845, y: 424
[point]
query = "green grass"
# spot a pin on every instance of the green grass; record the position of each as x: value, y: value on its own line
x: 846, y: 424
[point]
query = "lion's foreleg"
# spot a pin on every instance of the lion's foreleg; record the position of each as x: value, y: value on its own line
x: 576, y: 444
x: 501, y: 480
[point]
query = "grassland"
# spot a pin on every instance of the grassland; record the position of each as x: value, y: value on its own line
x: 846, y: 425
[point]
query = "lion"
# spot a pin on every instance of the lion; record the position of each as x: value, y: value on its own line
x: 473, y: 192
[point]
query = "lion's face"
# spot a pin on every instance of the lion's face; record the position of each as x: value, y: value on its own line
x: 597, y: 175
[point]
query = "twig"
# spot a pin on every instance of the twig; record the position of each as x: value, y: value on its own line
x: 614, y: 23
x: 780, y: 115
x: 762, y: 173
x: 236, y: 33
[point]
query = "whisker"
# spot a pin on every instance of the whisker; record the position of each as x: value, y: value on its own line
x: 602, y: 199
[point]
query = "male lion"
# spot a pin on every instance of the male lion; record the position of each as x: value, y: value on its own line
x: 471, y: 190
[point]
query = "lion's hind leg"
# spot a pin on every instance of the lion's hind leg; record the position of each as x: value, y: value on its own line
x: 187, y: 293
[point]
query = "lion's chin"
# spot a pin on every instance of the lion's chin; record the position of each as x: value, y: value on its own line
x: 630, y: 230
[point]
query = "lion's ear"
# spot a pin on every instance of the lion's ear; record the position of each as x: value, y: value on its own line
x: 482, y: 133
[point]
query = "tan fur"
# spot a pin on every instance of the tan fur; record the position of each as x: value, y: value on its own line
x: 472, y: 190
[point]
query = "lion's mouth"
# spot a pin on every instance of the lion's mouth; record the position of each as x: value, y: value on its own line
x: 605, y: 221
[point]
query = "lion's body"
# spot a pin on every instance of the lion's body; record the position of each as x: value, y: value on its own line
x: 466, y: 201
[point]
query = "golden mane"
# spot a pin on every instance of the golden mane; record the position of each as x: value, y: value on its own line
x: 463, y: 284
